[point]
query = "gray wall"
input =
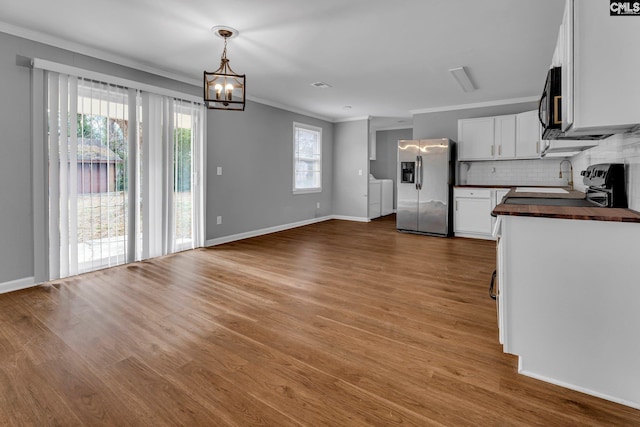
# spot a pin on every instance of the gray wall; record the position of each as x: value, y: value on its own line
x: 16, y: 211
x: 255, y: 151
x: 351, y: 155
x: 445, y: 124
x: 255, y: 145
x: 385, y: 166
x: 16, y: 234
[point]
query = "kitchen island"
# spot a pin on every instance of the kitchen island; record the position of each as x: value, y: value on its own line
x: 569, y: 296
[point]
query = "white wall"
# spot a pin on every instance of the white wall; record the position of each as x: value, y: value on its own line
x: 351, y: 169
x: 616, y: 149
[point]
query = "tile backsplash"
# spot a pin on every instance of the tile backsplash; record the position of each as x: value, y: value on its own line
x: 513, y: 172
x: 623, y: 148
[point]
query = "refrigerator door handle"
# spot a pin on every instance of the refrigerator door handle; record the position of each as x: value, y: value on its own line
x: 421, y: 176
x: 418, y: 172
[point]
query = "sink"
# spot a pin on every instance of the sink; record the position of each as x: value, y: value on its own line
x: 549, y: 190
x: 548, y: 202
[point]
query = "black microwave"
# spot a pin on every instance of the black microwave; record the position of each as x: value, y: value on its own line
x: 550, y: 106
x: 550, y: 109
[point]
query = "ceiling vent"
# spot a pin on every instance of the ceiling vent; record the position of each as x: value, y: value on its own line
x: 321, y: 85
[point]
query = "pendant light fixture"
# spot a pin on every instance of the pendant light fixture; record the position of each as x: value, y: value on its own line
x: 223, y: 88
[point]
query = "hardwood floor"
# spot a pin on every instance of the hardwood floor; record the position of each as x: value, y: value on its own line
x: 336, y: 323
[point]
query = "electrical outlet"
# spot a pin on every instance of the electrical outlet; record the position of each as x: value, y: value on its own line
x: 219, y: 170
x: 360, y: 172
x: 318, y: 205
x: 219, y: 220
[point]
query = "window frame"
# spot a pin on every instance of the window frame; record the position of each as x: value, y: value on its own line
x: 298, y: 125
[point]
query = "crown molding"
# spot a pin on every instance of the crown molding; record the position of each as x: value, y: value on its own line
x: 476, y: 105
x: 406, y: 126
x: 50, y: 40
x: 127, y: 62
x: 290, y: 108
x: 120, y: 60
x: 353, y: 119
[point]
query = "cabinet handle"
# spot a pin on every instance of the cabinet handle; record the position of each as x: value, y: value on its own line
x: 538, y: 147
x: 492, y: 150
x: 456, y: 205
x: 499, y: 150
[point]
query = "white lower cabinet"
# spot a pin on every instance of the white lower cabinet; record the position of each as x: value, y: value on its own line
x: 472, y: 211
x: 568, y: 295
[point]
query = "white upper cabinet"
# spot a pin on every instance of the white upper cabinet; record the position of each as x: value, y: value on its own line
x: 505, y: 137
x: 372, y: 144
x: 600, y: 63
x: 514, y: 136
x: 475, y: 139
x: 528, y: 135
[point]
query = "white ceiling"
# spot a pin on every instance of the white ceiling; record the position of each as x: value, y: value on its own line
x: 383, y: 58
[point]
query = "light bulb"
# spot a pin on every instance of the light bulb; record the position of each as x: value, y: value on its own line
x: 218, y: 89
x: 229, y: 89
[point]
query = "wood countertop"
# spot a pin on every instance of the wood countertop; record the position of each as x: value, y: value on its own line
x: 484, y: 186
x: 572, y: 194
x: 505, y: 186
x: 565, y: 212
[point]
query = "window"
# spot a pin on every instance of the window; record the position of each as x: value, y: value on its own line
x: 307, y: 158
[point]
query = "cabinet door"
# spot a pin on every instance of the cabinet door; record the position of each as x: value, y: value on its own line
x: 565, y: 46
x: 473, y: 215
x: 606, y: 93
x: 497, y: 196
x: 505, y: 137
x: 372, y: 145
x: 475, y: 139
x: 528, y: 135
x: 500, y: 193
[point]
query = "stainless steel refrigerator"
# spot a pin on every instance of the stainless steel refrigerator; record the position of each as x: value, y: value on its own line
x: 425, y: 186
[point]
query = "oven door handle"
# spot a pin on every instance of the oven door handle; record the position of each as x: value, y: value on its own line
x: 492, y: 286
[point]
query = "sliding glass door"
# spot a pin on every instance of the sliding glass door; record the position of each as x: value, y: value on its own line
x: 124, y: 175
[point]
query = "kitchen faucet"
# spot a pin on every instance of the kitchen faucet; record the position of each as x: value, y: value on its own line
x: 570, y: 182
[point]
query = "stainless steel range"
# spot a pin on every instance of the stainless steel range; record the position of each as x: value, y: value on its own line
x: 606, y: 185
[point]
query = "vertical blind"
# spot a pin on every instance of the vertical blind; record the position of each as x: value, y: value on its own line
x: 125, y: 174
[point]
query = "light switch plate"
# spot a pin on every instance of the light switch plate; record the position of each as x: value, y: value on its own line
x: 219, y: 170
x: 219, y: 220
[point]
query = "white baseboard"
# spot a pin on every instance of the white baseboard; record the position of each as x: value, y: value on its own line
x: 350, y: 218
x: 475, y: 236
x: 16, y: 285
x: 635, y: 405
x: 275, y: 229
x: 263, y: 231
